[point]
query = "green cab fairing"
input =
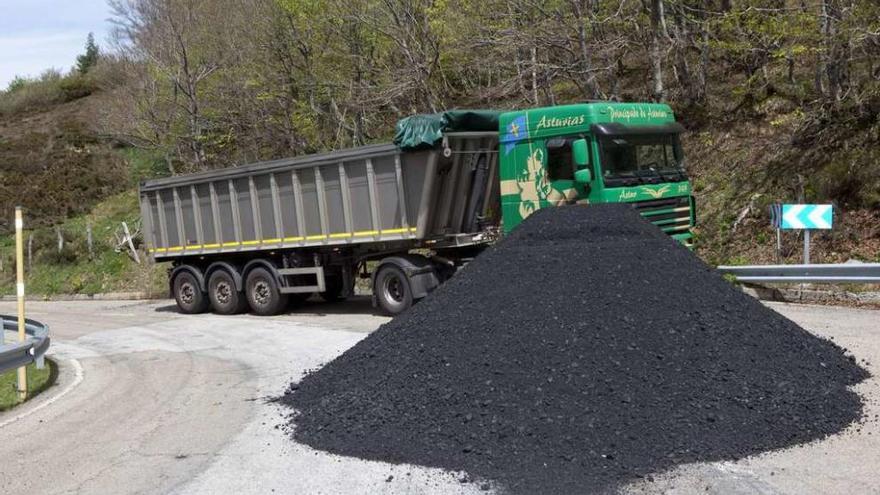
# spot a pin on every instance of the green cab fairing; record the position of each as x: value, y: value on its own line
x: 533, y: 161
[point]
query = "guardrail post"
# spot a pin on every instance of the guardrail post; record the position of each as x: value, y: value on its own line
x: 19, y: 289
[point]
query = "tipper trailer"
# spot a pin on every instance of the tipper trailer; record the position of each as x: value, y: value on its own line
x: 405, y: 215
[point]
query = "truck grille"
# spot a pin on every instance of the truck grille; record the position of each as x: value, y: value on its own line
x: 672, y: 215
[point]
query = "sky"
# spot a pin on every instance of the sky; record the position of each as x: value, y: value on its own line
x: 36, y: 35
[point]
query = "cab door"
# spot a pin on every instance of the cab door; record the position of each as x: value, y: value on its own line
x: 560, y: 170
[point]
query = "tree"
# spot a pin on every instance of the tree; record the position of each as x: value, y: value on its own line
x: 16, y: 83
x: 216, y: 82
x: 88, y: 59
x: 658, y: 35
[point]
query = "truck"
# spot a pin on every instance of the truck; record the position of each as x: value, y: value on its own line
x: 405, y: 215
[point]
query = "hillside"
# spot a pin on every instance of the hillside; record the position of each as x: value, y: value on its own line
x: 53, y: 161
x: 67, y: 174
x: 780, y: 155
x: 781, y: 101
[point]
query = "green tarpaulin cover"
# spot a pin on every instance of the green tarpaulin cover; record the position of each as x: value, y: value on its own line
x: 425, y: 130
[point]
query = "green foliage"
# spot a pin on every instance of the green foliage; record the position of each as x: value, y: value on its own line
x: 76, y: 86
x: 89, y: 58
x: 144, y: 165
x: 17, y: 83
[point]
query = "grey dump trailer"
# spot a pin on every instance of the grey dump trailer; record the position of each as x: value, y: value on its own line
x: 259, y: 235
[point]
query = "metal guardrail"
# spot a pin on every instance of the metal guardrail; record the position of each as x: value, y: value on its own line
x: 852, y: 273
x: 32, y: 350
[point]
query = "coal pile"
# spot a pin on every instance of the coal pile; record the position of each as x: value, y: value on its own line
x: 585, y: 350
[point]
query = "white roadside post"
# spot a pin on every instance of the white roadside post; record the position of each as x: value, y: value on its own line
x: 19, y: 286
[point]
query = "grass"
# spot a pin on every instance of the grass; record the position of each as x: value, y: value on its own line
x: 38, y: 381
x: 72, y: 270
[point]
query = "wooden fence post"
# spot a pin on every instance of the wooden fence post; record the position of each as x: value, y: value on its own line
x: 30, y: 260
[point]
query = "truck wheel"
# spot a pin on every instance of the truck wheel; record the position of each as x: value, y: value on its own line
x: 190, y: 298
x: 392, y: 290
x: 224, y: 298
x: 262, y: 293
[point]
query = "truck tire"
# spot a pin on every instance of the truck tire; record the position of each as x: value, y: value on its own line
x: 392, y: 290
x: 262, y: 293
x: 190, y: 298
x: 224, y: 298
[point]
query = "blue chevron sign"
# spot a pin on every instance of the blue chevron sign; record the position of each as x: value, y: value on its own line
x: 807, y: 216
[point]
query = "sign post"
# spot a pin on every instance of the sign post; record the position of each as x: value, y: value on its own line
x: 806, y: 218
x: 19, y: 289
x: 775, y: 221
x: 807, y: 246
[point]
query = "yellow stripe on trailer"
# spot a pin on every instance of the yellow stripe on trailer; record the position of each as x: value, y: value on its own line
x: 336, y: 235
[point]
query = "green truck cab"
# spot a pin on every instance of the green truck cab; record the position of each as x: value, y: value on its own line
x: 599, y: 152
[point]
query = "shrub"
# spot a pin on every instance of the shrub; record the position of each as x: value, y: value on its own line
x: 76, y: 86
x: 51, y: 88
x: 31, y: 94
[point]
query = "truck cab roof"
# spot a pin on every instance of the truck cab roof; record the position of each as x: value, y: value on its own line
x: 577, y: 118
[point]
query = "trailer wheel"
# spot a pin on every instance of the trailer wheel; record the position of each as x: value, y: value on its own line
x: 190, y: 298
x: 262, y: 293
x: 392, y: 290
x: 224, y: 298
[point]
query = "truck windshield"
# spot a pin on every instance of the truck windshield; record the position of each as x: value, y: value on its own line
x: 641, y: 159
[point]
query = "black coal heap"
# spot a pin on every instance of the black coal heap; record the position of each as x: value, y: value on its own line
x: 584, y: 350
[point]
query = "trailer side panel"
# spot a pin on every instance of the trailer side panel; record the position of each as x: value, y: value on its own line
x: 339, y: 198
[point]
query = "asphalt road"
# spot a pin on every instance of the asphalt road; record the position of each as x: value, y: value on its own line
x: 151, y: 401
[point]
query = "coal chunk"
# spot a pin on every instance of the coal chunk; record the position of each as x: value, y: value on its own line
x: 583, y: 351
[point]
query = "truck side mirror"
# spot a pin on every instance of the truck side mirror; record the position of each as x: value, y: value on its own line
x: 583, y: 176
x: 580, y: 152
